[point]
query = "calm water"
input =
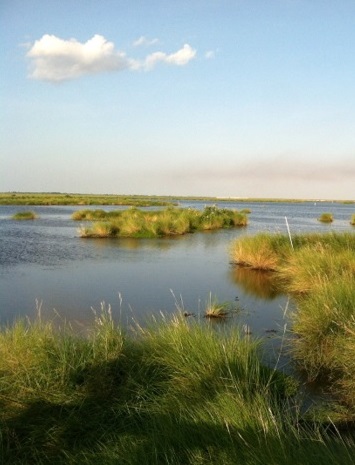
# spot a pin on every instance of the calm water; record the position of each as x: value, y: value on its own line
x: 46, y: 261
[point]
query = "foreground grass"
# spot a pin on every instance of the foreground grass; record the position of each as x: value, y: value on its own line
x: 320, y: 272
x: 179, y: 392
x: 171, y: 221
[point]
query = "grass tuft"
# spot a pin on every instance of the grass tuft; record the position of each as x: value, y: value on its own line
x: 25, y: 215
x: 326, y: 218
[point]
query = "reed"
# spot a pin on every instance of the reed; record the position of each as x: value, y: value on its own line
x: 25, y: 215
x: 352, y: 220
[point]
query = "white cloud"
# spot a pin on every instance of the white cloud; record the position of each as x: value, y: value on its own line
x: 179, y: 58
x: 145, y: 42
x: 54, y: 59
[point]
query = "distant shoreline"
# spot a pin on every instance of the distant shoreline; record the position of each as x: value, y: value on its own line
x: 59, y: 198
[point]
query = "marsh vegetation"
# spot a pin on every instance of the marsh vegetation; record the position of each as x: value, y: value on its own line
x: 25, y: 215
x: 175, y: 392
x: 57, y: 198
x: 326, y: 218
x: 168, y: 222
x: 320, y: 273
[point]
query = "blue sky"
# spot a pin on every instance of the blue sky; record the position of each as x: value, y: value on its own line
x: 222, y: 98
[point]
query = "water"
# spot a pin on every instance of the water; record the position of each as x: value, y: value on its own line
x: 45, y: 261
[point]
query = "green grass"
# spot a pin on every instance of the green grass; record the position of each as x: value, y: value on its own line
x: 326, y: 218
x: 175, y: 392
x: 168, y: 222
x: 320, y: 273
x: 25, y: 215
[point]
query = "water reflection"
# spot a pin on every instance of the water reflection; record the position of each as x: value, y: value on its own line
x: 261, y: 284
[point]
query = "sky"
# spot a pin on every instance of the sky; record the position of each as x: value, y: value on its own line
x: 243, y: 98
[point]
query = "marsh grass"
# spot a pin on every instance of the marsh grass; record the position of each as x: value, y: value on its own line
x: 217, y: 310
x: 56, y: 198
x: 25, y: 215
x: 326, y: 218
x: 320, y: 273
x: 352, y: 220
x: 167, y: 222
x: 174, y: 392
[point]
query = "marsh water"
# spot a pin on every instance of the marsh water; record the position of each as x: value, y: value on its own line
x: 45, y: 263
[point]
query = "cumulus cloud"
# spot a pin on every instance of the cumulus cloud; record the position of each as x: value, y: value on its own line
x: 54, y: 59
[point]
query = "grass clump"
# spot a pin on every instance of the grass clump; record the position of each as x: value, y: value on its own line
x: 326, y: 218
x: 167, y: 222
x: 174, y: 392
x: 352, y: 220
x: 320, y: 273
x: 25, y: 215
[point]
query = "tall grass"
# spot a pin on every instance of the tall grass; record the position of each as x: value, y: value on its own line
x: 352, y: 220
x: 170, y: 221
x: 320, y: 272
x: 175, y: 392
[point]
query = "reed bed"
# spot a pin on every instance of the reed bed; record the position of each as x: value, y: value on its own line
x: 174, y: 392
x: 167, y: 222
x: 320, y: 272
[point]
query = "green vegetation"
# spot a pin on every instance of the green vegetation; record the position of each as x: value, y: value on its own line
x: 178, y: 392
x: 26, y: 215
x: 171, y: 221
x: 326, y: 218
x: 57, y: 198
x: 217, y: 310
x: 352, y: 220
x: 320, y: 272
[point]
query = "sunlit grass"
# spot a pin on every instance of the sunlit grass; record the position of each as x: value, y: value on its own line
x: 168, y: 222
x: 320, y: 272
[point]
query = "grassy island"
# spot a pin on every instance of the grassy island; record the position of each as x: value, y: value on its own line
x: 25, y: 215
x: 178, y: 392
x: 171, y: 221
x: 319, y: 270
x: 326, y: 218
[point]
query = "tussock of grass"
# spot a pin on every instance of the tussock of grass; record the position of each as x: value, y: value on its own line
x: 326, y: 218
x: 25, y: 215
x: 176, y: 392
x: 352, y: 220
x: 168, y: 222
